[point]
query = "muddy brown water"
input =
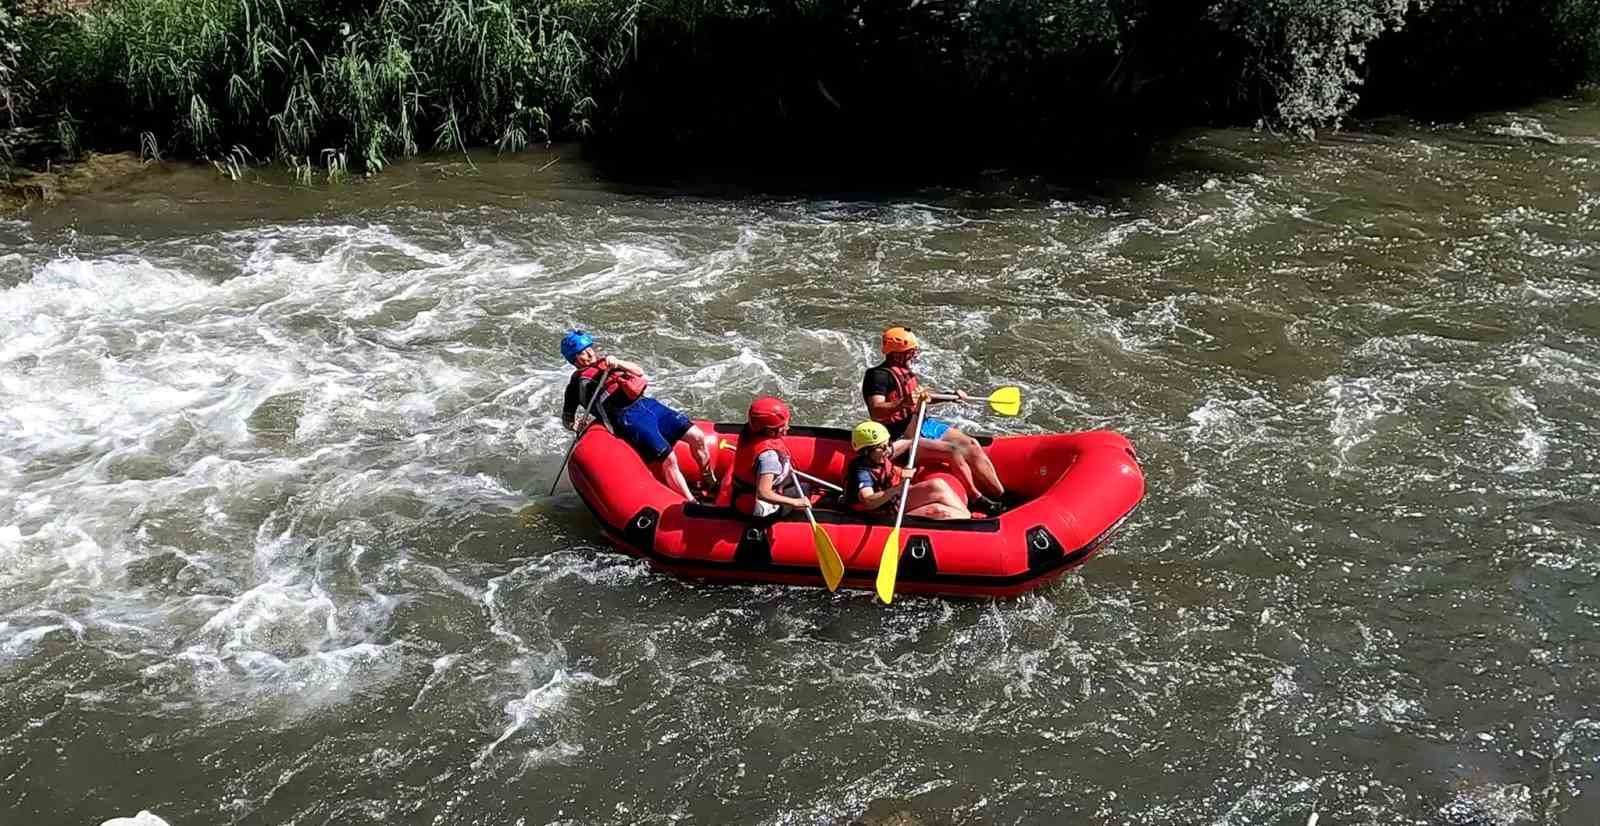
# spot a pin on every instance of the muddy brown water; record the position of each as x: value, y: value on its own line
x: 274, y: 544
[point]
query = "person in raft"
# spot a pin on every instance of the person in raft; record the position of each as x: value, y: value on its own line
x: 893, y: 394
x: 648, y: 425
x: 762, y: 468
x: 872, y: 480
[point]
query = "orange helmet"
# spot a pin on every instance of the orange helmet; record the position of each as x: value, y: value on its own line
x: 899, y: 340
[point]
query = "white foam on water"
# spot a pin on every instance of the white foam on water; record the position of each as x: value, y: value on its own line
x: 285, y: 621
x: 19, y: 642
x: 1526, y: 126
x: 143, y: 818
x: 538, y: 704
x: 1492, y: 804
x: 132, y: 388
x: 1355, y: 413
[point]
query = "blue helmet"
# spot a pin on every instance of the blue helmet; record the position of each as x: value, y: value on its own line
x: 573, y: 343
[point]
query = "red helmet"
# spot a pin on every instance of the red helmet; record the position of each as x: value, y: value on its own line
x: 769, y: 412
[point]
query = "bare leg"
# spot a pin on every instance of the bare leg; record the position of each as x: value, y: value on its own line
x: 938, y: 511
x: 671, y: 475
x: 701, y: 445
x: 975, y: 463
x: 942, y: 452
x: 935, y: 498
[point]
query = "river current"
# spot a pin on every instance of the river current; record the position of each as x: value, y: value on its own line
x: 275, y: 546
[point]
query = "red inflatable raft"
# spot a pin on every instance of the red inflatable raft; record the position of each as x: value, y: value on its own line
x: 1072, y: 492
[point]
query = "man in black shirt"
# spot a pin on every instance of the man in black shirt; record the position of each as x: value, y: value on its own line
x: 893, y: 396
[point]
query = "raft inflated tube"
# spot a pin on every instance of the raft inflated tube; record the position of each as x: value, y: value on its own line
x: 1075, y: 491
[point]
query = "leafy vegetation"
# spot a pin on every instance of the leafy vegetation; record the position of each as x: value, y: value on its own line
x: 1459, y: 56
x: 349, y: 85
x: 14, y: 88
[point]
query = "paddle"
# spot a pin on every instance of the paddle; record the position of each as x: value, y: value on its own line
x: 727, y: 445
x: 827, y: 555
x: 1007, y: 401
x: 889, y: 562
x: 578, y: 434
x: 821, y: 482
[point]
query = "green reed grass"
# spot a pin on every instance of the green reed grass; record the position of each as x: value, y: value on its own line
x: 355, y: 84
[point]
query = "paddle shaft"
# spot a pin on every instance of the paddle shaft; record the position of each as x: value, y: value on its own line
x: 911, y: 462
x: 588, y: 413
x: 828, y: 560
x: 809, y: 478
x: 802, y: 491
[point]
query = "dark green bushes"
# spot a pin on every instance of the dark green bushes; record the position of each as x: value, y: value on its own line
x: 1466, y: 55
x: 963, y: 81
x: 356, y: 83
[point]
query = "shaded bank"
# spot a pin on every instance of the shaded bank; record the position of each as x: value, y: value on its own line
x: 1461, y: 56
x: 351, y: 85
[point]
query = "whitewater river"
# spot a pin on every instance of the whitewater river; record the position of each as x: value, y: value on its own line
x: 275, y: 546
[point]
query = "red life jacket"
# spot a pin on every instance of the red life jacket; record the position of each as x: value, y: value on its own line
x: 626, y: 386
x: 885, y: 475
x: 744, y: 467
x: 905, y: 385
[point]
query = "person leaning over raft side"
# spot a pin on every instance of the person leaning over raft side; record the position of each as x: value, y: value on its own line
x: 762, y: 465
x: 872, y: 480
x: 648, y: 425
x: 893, y: 395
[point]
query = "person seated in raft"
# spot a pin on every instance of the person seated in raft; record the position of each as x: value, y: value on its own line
x: 648, y: 425
x: 762, y: 468
x: 873, y: 481
x: 893, y: 394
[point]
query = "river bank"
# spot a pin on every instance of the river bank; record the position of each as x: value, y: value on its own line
x: 335, y: 88
x: 91, y: 173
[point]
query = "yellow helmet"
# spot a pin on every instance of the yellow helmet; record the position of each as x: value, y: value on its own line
x: 899, y: 340
x: 868, y: 434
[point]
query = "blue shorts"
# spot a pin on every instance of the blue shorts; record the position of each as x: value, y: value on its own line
x: 933, y: 429
x: 652, y: 428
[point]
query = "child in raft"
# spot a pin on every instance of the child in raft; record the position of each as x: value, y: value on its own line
x: 762, y: 468
x: 873, y: 481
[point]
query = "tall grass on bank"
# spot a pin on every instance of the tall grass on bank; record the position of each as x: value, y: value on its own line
x: 14, y: 87
x: 292, y: 78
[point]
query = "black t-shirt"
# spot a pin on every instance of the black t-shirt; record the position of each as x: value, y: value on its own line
x: 578, y: 397
x: 879, y: 381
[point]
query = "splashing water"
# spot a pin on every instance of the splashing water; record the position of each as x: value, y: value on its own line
x: 273, y: 549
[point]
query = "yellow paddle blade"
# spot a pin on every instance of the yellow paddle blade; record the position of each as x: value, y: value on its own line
x: 827, y: 557
x: 889, y: 566
x: 1007, y: 401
